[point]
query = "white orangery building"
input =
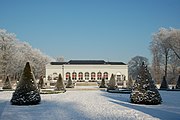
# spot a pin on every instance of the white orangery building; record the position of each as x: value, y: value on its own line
x: 87, y: 70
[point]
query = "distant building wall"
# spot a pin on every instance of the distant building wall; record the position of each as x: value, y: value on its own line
x: 95, y: 71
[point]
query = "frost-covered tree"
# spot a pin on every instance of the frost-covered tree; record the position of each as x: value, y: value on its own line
x: 7, y: 50
x: 27, y: 92
x: 165, y: 48
x: 69, y: 83
x: 134, y: 64
x: 144, y: 90
x: 178, y: 83
x: 60, y: 84
x: 103, y: 84
x: 14, y: 54
x: 59, y: 59
x: 164, y: 84
x: 112, y: 85
x: 7, y: 84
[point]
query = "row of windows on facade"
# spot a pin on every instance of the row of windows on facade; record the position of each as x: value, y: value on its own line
x: 87, y: 76
x: 91, y: 76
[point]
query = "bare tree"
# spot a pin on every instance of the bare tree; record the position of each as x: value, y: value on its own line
x: 165, y: 48
x: 60, y: 59
x: 7, y: 50
x: 134, y: 64
x: 174, y: 41
x: 156, y: 67
x: 160, y: 41
x: 14, y: 54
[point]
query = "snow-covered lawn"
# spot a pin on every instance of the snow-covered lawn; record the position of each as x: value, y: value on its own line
x: 90, y: 105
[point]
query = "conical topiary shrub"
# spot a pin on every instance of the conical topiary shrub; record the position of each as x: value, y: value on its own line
x: 60, y: 84
x: 26, y: 92
x: 103, y: 84
x: 144, y: 90
x: 178, y: 83
x: 69, y: 83
x: 7, y: 84
x: 164, y: 84
x: 41, y: 83
x: 112, y: 85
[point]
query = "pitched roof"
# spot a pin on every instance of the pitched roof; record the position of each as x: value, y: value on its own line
x: 57, y: 63
x: 115, y: 63
x: 87, y: 62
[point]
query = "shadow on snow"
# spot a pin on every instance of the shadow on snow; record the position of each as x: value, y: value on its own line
x: 48, y: 110
x: 161, y: 111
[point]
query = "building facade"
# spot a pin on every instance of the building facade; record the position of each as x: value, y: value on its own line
x: 87, y: 70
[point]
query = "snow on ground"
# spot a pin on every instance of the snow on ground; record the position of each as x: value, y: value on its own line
x: 90, y: 105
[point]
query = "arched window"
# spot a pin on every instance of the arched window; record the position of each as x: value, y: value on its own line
x: 105, y: 75
x: 86, y: 76
x: 55, y: 76
x: 74, y: 76
x: 118, y: 77
x: 55, y: 73
x: 99, y: 75
x: 93, y: 76
x: 80, y: 75
x: 67, y: 75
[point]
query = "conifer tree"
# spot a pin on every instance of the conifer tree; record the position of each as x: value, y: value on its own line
x: 164, y: 84
x: 69, y: 83
x: 7, y: 84
x: 60, y: 84
x: 178, y: 83
x: 103, y: 84
x: 112, y: 83
x: 144, y: 90
x: 26, y: 92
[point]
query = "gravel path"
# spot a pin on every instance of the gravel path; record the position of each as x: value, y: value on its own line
x: 73, y: 105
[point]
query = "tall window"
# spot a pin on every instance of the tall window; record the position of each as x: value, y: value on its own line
x: 93, y: 76
x: 80, y: 75
x: 74, y: 76
x: 86, y: 76
x: 105, y: 75
x: 67, y: 75
x: 99, y: 75
x: 118, y: 78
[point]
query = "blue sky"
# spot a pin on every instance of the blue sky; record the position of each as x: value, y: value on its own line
x: 114, y: 30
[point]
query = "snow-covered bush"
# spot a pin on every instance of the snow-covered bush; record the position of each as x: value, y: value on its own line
x: 103, y: 84
x: 144, y: 90
x: 164, y: 84
x: 60, y: 84
x: 7, y: 84
x: 26, y: 92
x: 112, y: 85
